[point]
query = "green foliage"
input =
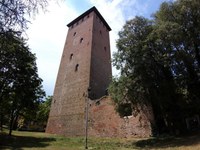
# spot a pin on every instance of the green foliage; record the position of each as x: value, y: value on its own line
x: 43, y: 110
x: 159, y: 61
x: 20, y: 86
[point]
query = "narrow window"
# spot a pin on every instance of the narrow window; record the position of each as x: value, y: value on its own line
x: 100, y: 32
x: 88, y: 16
x: 76, y: 68
x: 82, y: 19
x: 74, y: 33
x: 105, y: 49
x: 81, y: 40
x: 71, y: 56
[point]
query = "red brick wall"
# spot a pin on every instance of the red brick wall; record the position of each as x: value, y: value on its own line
x: 92, y: 54
x: 104, y: 121
x: 83, y: 47
x: 67, y: 109
x: 101, y: 73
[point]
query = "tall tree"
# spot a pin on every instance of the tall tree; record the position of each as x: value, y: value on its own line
x: 179, y: 24
x: 159, y: 63
x: 20, y: 86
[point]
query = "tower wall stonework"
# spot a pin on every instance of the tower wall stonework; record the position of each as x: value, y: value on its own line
x: 84, y: 63
x: 100, y: 75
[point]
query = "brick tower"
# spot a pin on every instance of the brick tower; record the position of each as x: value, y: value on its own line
x: 85, y: 63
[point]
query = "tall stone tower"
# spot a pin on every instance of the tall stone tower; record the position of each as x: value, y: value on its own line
x: 85, y: 63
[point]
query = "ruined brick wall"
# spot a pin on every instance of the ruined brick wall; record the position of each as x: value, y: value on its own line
x: 86, y: 63
x: 104, y: 121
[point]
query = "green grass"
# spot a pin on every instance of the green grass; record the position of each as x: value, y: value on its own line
x: 41, y: 141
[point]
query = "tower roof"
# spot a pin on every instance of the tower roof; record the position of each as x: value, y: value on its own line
x: 86, y: 13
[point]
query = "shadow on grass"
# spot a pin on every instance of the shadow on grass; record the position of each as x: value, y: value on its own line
x: 164, y: 142
x: 19, y: 142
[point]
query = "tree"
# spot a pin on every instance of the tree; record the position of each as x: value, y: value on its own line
x: 179, y: 25
x: 44, y: 109
x: 20, y: 86
x: 159, y: 63
x: 14, y: 13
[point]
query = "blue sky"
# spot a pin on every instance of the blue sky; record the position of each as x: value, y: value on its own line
x: 48, y: 30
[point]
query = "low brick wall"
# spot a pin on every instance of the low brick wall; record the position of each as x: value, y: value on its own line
x: 104, y: 121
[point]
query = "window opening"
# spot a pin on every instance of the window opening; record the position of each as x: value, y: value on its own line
x: 81, y: 40
x: 125, y: 109
x: 74, y: 33
x: 76, y: 68
x: 100, y: 32
x: 71, y: 56
x: 88, y: 16
x: 105, y: 49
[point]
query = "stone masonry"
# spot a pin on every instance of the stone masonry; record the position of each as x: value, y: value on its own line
x: 86, y: 63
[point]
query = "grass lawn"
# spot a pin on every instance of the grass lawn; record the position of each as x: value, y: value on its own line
x: 41, y: 141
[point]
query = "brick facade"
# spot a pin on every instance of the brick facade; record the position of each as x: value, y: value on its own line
x: 104, y: 121
x: 86, y: 62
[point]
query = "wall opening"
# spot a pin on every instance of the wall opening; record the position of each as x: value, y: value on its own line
x: 125, y: 109
x: 71, y: 56
x: 77, y: 66
x: 105, y: 49
x: 81, y: 40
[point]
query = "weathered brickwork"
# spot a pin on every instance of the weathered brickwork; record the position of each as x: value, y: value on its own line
x: 105, y: 122
x: 86, y: 62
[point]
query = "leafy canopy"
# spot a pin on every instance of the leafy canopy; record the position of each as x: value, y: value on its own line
x: 159, y: 60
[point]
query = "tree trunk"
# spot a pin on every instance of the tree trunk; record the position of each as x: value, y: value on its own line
x: 11, y: 122
x: 1, y: 121
x: 15, y: 121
